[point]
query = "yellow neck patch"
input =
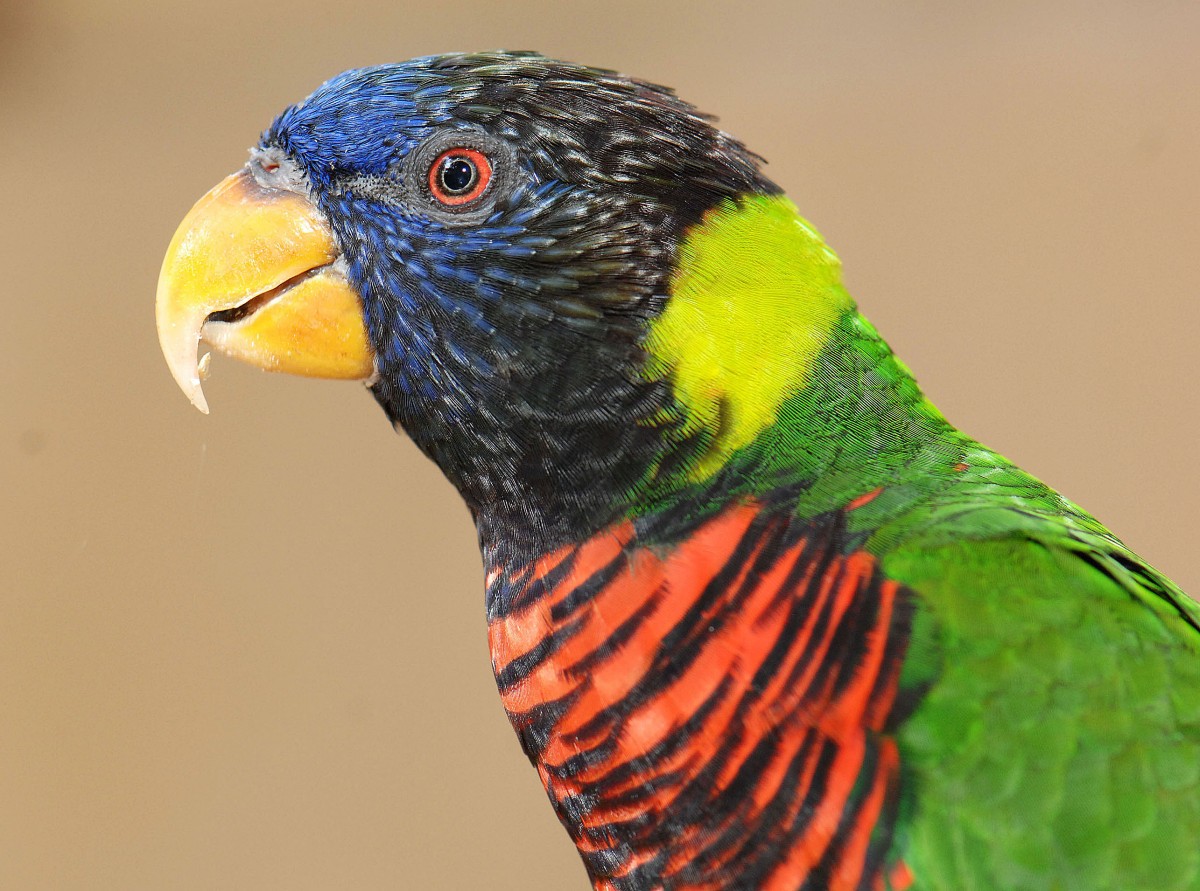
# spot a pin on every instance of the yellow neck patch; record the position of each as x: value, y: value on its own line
x: 752, y: 306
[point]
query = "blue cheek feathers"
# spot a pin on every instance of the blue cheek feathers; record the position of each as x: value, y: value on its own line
x: 431, y: 298
x: 431, y: 295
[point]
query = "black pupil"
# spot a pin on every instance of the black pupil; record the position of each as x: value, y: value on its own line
x: 458, y: 175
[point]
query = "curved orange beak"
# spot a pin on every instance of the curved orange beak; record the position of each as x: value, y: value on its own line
x: 256, y: 273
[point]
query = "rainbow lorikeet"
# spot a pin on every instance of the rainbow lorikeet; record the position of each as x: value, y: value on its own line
x: 761, y: 617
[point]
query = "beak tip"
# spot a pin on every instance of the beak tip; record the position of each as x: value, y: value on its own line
x: 179, y: 338
x: 199, y: 401
x: 193, y: 391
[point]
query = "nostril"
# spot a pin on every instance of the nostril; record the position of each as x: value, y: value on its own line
x: 272, y: 169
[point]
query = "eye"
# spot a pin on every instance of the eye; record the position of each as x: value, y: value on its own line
x: 459, y: 175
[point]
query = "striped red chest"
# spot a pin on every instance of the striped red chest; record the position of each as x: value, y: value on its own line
x: 710, y: 713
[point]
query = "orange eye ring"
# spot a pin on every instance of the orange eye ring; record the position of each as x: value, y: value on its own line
x: 459, y: 175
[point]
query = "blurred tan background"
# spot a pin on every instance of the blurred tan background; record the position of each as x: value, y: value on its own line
x: 247, y: 651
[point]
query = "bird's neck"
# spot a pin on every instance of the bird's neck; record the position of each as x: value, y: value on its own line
x: 774, y: 383
x: 733, y: 628
x: 859, y: 422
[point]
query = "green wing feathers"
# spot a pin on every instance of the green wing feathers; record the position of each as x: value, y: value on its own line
x: 1059, y: 746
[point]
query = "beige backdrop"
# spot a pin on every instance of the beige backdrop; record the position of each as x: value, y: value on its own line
x: 247, y: 651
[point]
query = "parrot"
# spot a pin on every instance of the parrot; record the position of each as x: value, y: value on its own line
x: 760, y: 615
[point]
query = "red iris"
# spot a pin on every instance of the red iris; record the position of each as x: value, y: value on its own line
x: 459, y: 175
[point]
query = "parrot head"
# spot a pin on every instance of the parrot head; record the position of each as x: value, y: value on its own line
x: 488, y: 240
